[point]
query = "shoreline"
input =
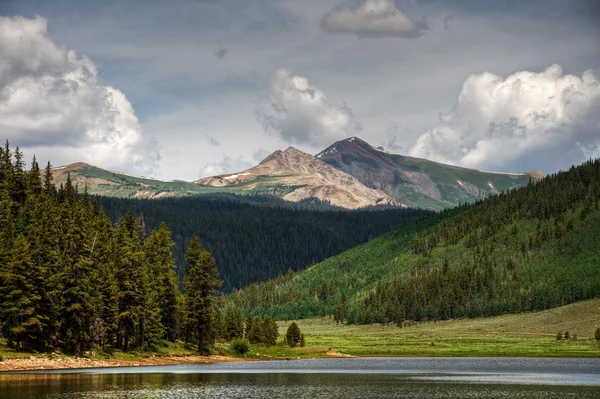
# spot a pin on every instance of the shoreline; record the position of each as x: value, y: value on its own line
x: 16, y: 365
x: 34, y: 363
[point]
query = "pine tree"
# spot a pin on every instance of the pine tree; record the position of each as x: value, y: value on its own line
x: 234, y: 324
x: 292, y: 336
x: 130, y: 273
x: 19, y: 298
x: 256, y: 334
x: 75, y: 278
x: 163, y: 277
x: 201, y: 283
x: 270, y: 331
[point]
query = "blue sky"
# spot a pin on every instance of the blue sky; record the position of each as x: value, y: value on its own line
x: 216, y: 85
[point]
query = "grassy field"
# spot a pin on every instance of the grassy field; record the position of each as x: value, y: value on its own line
x: 526, y: 334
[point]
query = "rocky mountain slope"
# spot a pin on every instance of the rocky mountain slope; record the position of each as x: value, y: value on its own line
x: 350, y: 174
x: 418, y: 182
x: 303, y: 176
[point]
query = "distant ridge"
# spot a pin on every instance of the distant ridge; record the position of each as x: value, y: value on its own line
x: 350, y: 173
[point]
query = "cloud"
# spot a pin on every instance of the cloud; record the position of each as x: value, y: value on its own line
x: 221, y: 53
x: 300, y: 113
x: 528, y: 120
x: 374, y: 18
x: 50, y: 97
x: 260, y: 154
x: 211, y: 140
x: 392, y: 145
x: 225, y: 166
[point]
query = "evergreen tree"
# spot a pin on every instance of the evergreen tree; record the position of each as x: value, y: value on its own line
x: 256, y: 334
x: 18, y: 306
x: 163, y: 279
x: 270, y: 331
x: 201, y: 283
x: 292, y: 336
x: 234, y: 324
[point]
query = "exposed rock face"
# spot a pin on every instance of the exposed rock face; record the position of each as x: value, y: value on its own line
x: 413, y: 181
x: 307, y: 177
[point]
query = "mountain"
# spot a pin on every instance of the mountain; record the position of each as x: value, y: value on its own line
x: 114, y: 184
x: 418, y: 182
x: 295, y: 176
x: 529, y: 249
x: 350, y: 174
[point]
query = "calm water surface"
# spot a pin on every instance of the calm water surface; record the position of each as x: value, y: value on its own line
x: 479, y: 378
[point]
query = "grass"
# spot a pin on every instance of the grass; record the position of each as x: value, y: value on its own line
x: 525, y: 334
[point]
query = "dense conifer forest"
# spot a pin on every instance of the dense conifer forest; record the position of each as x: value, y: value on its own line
x: 529, y: 249
x: 70, y: 280
x: 256, y: 238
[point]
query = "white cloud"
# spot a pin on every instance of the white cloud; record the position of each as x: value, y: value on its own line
x: 300, y: 113
x: 373, y: 18
x: 527, y: 120
x: 225, y: 166
x: 260, y: 154
x: 50, y: 97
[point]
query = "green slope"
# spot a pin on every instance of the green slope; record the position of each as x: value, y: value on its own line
x: 532, y: 249
x: 113, y: 184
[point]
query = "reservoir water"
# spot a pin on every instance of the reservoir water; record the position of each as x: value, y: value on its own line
x: 476, y: 378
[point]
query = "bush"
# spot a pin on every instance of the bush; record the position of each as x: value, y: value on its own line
x: 241, y: 346
x: 559, y: 336
x: 597, y: 335
x: 292, y: 337
x: 567, y: 336
x: 302, y: 341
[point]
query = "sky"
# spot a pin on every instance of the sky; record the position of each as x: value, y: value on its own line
x: 183, y: 89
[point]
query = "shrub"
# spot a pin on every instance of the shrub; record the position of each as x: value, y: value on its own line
x: 559, y: 336
x: 597, y: 335
x: 302, y: 341
x: 567, y: 335
x: 292, y: 337
x: 241, y: 346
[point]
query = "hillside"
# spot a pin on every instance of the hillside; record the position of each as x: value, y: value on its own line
x: 114, y: 184
x: 418, y: 182
x: 255, y: 238
x: 531, y: 249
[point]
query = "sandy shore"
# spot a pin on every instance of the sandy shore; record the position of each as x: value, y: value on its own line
x: 45, y: 363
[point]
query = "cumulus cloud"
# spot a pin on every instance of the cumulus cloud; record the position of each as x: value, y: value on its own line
x: 300, y: 113
x: 211, y: 140
x: 226, y: 166
x: 373, y: 18
x: 50, y: 97
x: 529, y: 120
x: 260, y: 154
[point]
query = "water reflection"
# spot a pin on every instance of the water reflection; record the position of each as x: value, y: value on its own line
x: 389, y: 378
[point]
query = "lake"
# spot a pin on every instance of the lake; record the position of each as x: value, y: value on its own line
x: 477, y: 378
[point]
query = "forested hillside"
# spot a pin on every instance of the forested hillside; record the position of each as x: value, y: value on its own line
x: 256, y: 238
x: 530, y: 249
